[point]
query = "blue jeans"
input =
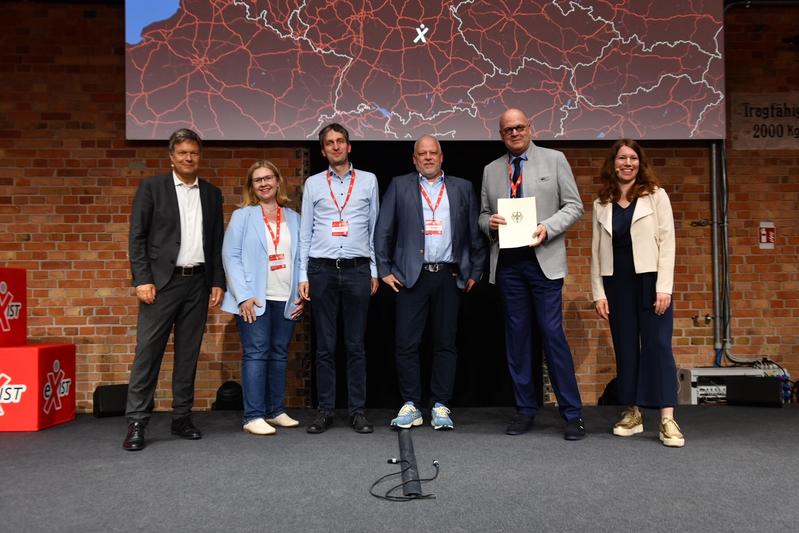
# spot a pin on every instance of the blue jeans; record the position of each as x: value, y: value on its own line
x: 265, y: 345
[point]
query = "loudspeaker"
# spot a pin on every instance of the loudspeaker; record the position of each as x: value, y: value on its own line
x: 109, y: 400
x: 763, y: 391
x: 229, y: 397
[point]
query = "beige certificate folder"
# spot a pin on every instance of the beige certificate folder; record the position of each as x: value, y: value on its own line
x: 520, y: 218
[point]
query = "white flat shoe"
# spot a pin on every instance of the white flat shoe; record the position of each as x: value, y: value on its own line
x: 284, y: 421
x: 258, y: 426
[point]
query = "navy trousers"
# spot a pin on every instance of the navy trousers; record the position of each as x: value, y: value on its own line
x: 528, y: 296
x: 434, y: 296
x: 647, y: 374
x: 343, y: 290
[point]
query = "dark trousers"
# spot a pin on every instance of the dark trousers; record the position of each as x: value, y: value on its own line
x: 183, y: 304
x: 434, y: 295
x: 647, y: 373
x: 528, y: 295
x: 343, y: 290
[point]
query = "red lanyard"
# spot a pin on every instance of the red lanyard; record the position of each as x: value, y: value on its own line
x: 515, y: 186
x: 333, y: 196
x: 429, y: 201
x: 275, y: 238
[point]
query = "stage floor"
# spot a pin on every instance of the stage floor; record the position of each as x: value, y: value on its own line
x: 737, y: 472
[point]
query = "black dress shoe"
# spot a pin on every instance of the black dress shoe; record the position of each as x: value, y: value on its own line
x: 185, y: 429
x: 520, y: 424
x: 320, y: 424
x: 361, y: 424
x: 134, y: 441
x: 575, y: 430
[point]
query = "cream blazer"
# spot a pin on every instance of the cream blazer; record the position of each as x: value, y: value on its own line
x: 652, y: 233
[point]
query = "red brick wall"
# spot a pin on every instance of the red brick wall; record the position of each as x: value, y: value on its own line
x: 764, y: 186
x: 67, y: 177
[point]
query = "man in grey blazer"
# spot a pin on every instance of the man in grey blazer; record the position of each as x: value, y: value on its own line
x: 530, y: 278
x: 428, y: 249
x: 175, y: 247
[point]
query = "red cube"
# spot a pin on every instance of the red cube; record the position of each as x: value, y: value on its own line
x: 13, y: 307
x: 37, y: 386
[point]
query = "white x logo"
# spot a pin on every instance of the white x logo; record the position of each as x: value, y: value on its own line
x: 421, y: 31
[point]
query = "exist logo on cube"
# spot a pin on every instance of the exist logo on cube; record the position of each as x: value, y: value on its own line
x: 57, y: 387
x: 9, y: 392
x: 9, y: 309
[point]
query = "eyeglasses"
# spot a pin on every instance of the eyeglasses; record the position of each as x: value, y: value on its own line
x: 258, y: 181
x: 511, y: 129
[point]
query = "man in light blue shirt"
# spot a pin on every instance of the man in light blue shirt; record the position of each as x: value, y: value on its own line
x: 429, y: 249
x: 338, y: 273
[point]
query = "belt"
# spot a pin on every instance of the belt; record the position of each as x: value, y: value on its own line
x: 440, y: 267
x: 189, y: 271
x: 350, y: 262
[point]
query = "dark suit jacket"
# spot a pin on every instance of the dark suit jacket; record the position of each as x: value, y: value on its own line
x: 154, y: 239
x: 399, y: 235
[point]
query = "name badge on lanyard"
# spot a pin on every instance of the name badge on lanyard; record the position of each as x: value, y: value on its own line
x: 341, y: 227
x: 431, y: 225
x: 277, y: 261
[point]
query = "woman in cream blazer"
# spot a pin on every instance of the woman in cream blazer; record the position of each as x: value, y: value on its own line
x: 632, y: 274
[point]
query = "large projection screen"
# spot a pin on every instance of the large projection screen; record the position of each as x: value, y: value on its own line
x: 280, y: 69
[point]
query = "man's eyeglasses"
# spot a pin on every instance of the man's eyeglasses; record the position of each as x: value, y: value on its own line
x: 511, y: 129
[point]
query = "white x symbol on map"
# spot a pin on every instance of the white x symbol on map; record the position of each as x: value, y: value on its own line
x: 421, y: 31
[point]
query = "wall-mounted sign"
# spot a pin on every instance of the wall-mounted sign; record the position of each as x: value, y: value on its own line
x: 767, y: 237
x: 765, y: 121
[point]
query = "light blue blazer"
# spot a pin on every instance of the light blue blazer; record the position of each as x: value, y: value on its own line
x: 244, y: 255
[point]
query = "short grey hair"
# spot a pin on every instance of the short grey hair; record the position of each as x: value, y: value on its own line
x: 183, y: 135
x: 416, y: 144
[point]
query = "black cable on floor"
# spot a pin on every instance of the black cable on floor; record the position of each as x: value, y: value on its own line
x: 389, y: 496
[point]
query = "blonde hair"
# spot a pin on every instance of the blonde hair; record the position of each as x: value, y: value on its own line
x: 249, y: 197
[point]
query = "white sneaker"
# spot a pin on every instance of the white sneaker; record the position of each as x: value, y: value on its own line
x: 284, y: 421
x: 258, y: 427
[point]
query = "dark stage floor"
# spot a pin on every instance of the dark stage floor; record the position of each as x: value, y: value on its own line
x: 737, y: 472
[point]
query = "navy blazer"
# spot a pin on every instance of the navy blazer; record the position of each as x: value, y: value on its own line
x: 399, y: 235
x: 154, y: 239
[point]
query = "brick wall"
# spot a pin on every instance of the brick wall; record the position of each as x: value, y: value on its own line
x: 67, y: 177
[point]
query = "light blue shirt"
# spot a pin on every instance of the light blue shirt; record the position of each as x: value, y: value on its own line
x: 437, y: 248
x: 319, y: 212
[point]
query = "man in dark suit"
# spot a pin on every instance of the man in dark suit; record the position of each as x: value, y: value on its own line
x: 428, y: 249
x: 175, y: 246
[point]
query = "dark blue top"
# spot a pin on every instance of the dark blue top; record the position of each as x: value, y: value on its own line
x: 622, y: 242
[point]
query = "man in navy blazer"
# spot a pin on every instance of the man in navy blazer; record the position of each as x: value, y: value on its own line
x: 175, y: 247
x: 428, y: 249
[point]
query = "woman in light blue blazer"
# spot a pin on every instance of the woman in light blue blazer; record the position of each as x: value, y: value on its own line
x: 261, y: 259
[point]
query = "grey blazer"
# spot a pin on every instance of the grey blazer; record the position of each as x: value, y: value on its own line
x: 548, y: 177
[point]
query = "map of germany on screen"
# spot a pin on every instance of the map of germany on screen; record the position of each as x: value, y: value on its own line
x: 280, y: 69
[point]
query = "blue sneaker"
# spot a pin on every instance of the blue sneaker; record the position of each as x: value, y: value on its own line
x: 440, y: 417
x: 408, y: 416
